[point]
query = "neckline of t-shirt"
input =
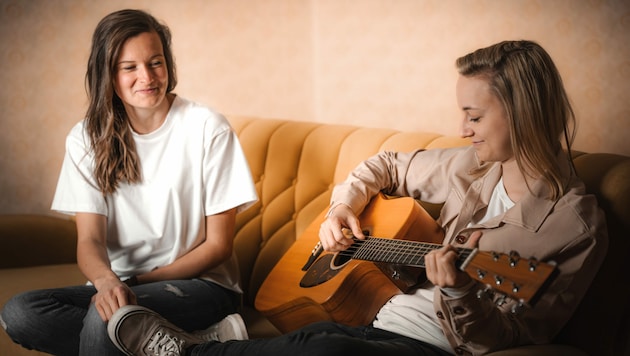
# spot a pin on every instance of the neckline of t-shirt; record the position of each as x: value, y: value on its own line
x: 166, y: 125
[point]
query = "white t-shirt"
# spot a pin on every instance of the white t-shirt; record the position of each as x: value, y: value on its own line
x: 192, y: 166
x: 412, y: 315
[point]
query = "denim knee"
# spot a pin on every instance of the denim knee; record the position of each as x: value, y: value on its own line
x: 16, y: 315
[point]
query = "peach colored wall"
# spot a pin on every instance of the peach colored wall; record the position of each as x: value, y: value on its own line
x: 381, y: 63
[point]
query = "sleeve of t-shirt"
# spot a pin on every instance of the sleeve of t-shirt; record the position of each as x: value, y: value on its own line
x: 227, y: 178
x: 77, y: 190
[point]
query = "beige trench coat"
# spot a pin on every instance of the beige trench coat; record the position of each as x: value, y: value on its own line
x: 570, y: 231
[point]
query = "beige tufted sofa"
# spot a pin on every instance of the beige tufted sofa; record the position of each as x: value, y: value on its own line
x: 295, y: 165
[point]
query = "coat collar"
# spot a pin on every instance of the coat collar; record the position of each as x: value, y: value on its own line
x: 532, y: 210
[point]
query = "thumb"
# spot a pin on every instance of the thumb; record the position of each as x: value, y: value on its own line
x: 473, y: 240
x: 355, y: 227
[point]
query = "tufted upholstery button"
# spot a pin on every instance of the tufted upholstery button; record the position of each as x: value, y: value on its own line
x: 459, y: 311
x: 461, y: 239
x: 440, y: 315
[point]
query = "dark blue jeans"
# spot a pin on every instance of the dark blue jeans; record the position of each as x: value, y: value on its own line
x: 324, y: 338
x: 63, y: 321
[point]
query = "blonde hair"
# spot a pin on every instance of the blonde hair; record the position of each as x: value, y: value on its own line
x: 525, y: 79
x: 106, y: 122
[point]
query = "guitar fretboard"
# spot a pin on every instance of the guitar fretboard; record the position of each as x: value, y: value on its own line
x: 404, y: 252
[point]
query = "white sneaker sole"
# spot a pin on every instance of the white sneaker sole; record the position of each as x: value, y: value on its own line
x: 238, y: 325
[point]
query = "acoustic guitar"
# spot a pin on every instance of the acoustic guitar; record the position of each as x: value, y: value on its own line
x: 351, y: 286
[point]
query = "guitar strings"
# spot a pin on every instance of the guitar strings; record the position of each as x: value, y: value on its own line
x: 403, y: 252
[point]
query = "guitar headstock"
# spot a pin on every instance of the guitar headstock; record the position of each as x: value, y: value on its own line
x: 520, y: 278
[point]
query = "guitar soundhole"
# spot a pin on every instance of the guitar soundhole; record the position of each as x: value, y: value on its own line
x: 339, y: 261
x: 319, y: 272
x: 341, y: 258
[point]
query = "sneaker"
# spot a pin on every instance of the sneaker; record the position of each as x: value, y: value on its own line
x: 136, y: 330
x: 232, y: 327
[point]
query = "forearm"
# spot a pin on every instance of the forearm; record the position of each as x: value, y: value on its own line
x: 386, y: 172
x: 476, y: 318
x: 94, y: 263
x: 364, y: 182
x: 191, y: 265
x: 92, y: 256
x: 479, y: 323
x: 212, y: 252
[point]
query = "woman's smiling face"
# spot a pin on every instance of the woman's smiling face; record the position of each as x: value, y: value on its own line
x: 141, y: 78
x: 485, y: 122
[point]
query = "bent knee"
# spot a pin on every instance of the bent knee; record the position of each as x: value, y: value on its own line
x: 20, y: 310
x: 12, y: 317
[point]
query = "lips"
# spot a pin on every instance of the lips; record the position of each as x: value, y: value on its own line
x: 147, y: 90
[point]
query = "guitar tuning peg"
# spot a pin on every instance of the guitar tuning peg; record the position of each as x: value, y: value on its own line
x: 517, y: 308
x: 495, y: 256
x: 513, y: 258
x: 515, y: 288
x: 484, y: 292
x: 533, y: 263
x: 500, y: 301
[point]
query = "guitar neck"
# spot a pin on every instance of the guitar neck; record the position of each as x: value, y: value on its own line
x: 519, y: 278
x: 401, y: 252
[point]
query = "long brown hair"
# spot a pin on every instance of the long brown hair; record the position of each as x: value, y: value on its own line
x: 106, y: 121
x: 525, y: 79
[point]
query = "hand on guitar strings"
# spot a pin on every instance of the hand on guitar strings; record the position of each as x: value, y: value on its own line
x: 440, y: 265
x: 340, y: 226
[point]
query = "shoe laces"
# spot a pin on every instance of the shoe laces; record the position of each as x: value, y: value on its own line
x: 164, y: 344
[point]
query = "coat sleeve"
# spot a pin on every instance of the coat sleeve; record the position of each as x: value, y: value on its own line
x: 574, y: 236
x: 425, y: 175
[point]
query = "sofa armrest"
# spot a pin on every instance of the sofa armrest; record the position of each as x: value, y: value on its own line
x: 35, y: 240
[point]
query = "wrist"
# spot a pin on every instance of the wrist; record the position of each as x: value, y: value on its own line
x: 334, y: 206
x: 105, y: 281
x: 458, y: 292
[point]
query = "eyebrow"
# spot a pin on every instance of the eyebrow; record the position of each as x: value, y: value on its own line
x: 152, y: 57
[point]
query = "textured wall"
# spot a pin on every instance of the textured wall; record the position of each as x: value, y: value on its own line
x: 381, y: 63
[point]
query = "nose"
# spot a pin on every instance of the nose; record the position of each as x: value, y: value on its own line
x: 465, y: 130
x: 145, y: 74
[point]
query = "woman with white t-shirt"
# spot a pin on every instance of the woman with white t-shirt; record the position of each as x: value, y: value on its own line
x: 155, y: 182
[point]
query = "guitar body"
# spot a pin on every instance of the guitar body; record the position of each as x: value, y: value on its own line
x: 353, y: 293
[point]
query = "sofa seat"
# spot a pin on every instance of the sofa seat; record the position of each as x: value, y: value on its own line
x: 295, y: 165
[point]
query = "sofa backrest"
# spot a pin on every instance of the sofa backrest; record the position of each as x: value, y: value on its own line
x: 601, y: 325
x: 296, y: 164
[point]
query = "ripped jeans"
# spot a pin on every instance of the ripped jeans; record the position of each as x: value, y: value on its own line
x: 63, y: 321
